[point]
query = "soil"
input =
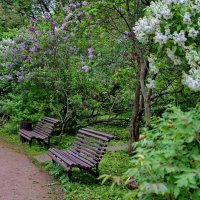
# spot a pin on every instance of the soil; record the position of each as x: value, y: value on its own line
x: 20, y: 179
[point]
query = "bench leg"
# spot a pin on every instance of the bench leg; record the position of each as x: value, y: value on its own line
x: 21, y: 139
x: 48, y: 144
x: 30, y: 142
x: 97, y: 171
x: 69, y: 173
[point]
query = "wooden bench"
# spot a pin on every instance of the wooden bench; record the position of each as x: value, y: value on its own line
x: 86, y: 152
x: 43, y: 131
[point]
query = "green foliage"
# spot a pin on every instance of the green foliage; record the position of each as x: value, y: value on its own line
x: 167, y: 163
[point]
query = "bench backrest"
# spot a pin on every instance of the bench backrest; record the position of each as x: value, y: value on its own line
x: 90, y: 145
x: 46, y: 125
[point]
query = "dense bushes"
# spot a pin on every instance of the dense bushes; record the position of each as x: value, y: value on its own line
x: 167, y: 163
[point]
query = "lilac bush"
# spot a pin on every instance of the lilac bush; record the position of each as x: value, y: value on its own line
x: 173, y: 25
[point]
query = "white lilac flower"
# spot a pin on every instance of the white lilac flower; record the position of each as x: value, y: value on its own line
x: 192, y: 80
x: 177, y: 61
x: 153, y: 68
x: 167, y: 32
x: 152, y: 65
x: 187, y: 18
x: 195, y: 6
x: 193, y: 33
x: 144, y: 27
x: 160, y: 38
x: 151, y: 59
x: 167, y: 1
x: 192, y: 58
x: 150, y: 84
x: 170, y: 54
x: 165, y: 12
x: 179, y: 38
x: 198, y: 21
x: 183, y: 1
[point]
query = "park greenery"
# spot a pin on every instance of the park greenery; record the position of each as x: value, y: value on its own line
x: 129, y: 68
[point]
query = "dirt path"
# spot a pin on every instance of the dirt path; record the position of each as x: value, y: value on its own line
x: 20, y: 179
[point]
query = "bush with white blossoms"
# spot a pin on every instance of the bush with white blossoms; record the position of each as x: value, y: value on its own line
x: 173, y: 27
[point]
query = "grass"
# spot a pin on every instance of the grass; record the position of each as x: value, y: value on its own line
x: 83, y: 186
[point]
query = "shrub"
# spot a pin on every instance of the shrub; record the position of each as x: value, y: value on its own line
x: 167, y: 165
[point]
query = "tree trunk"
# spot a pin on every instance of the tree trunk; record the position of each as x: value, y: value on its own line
x: 135, y: 120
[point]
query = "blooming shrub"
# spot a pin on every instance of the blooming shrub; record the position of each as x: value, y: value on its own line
x: 173, y: 27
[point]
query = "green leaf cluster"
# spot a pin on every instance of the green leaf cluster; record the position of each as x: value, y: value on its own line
x: 167, y: 163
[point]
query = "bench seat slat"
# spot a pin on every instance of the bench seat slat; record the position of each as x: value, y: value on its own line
x: 84, y: 151
x: 61, y: 155
x: 71, y: 160
x: 94, y: 135
x: 100, y: 133
x: 94, y: 148
x: 90, y: 143
x: 91, y: 139
x: 92, y: 153
x: 52, y: 120
x: 79, y: 157
x: 59, y: 161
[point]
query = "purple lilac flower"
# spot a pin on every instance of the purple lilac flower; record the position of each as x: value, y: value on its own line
x: 63, y: 25
x: 32, y: 28
x: 53, y: 25
x: 18, y: 74
x: 32, y: 20
x: 20, y: 78
x: 77, y: 22
x: 125, y: 53
x: 68, y: 16
x: 131, y: 35
x: 31, y: 49
x: 79, y: 14
x: 22, y: 46
x: 27, y: 77
x: 85, y: 68
x: 90, y: 53
x: 72, y: 5
x: 133, y: 56
x: 38, y: 19
x: 84, y: 3
x: 36, y: 48
x: 78, y: 4
x: 89, y: 16
x: 23, y: 56
x: 67, y: 37
x: 82, y: 58
x: 47, y: 16
x: 10, y: 77
x: 67, y: 8
x: 90, y: 50
x: 34, y: 39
